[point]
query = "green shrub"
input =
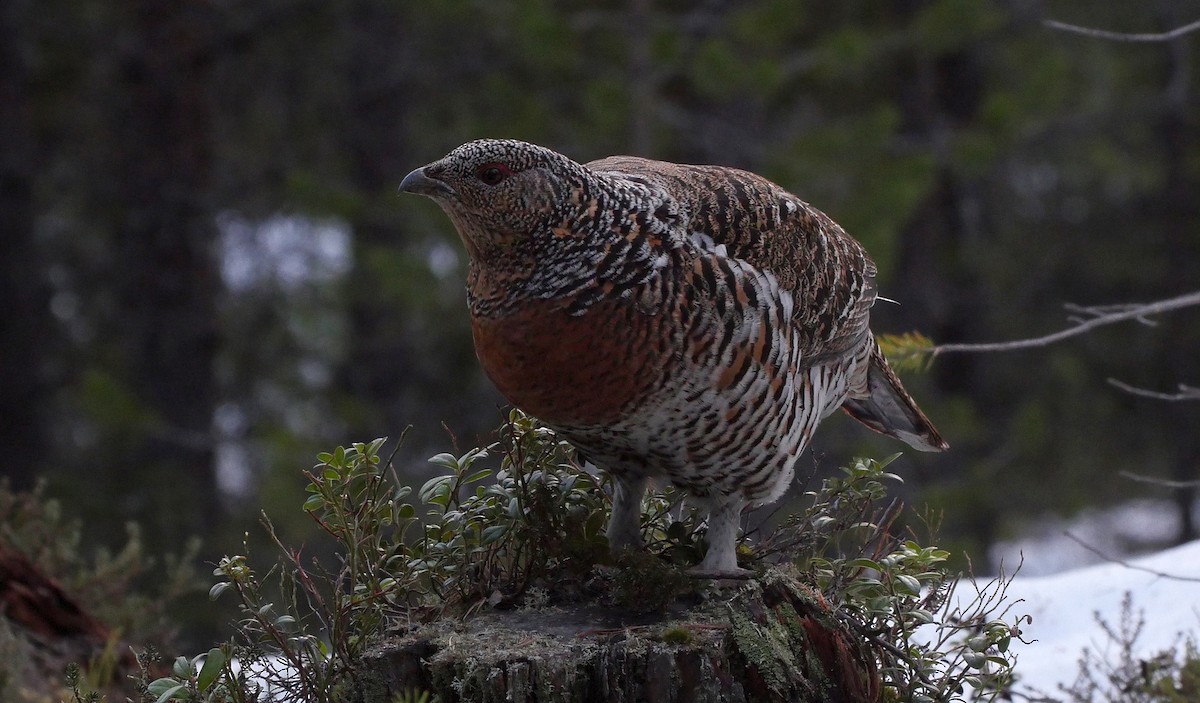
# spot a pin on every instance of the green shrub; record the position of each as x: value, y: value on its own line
x: 520, y: 522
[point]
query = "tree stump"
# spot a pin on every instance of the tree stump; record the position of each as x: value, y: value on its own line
x: 769, y: 639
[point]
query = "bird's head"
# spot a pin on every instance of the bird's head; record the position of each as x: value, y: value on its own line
x: 497, y: 191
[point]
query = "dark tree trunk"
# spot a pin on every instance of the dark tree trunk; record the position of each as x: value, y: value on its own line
x: 1179, y: 215
x: 25, y: 325
x: 379, y: 363
x: 939, y: 94
x: 165, y: 235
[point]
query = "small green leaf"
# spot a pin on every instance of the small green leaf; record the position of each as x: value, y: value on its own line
x: 909, y: 584
x: 158, y: 686
x: 492, y: 533
x: 1003, y: 642
x: 183, y: 668
x: 169, y: 693
x: 887, y: 460
x: 217, y: 589
x: 478, y: 476
x: 434, y: 489
x: 444, y: 459
x: 213, y: 664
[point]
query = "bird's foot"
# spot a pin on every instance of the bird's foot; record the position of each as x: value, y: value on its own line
x: 720, y: 563
x: 624, y: 537
x: 623, y: 540
x: 720, y: 574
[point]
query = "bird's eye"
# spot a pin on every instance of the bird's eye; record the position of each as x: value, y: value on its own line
x: 493, y: 173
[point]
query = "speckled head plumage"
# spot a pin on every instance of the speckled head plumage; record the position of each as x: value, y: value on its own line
x: 692, y: 322
x: 538, y: 225
x: 496, y: 191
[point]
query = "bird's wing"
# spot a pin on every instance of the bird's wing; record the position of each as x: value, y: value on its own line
x: 828, y: 273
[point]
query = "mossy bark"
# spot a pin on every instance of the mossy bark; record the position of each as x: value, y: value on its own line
x: 770, y: 639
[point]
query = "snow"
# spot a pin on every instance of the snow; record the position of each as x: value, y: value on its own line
x: 1064, y: 606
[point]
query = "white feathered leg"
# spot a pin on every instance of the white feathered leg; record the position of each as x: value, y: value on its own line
x: 625, y: 523
x: 724, y: 518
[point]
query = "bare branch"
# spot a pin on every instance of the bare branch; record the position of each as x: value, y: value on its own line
x: 1127, y: 565
x: 1186, y: 392
x: 1083, y: 313
x: 1164, y: 482
x: 1123, y: 36
x: 1098, y: 316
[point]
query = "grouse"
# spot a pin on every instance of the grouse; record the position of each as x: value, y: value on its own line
x: 688, y: 322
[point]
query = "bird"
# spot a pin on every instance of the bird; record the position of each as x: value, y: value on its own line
x: 692, y: 323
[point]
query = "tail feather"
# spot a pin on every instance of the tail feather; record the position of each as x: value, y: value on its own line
x: 884, y: 406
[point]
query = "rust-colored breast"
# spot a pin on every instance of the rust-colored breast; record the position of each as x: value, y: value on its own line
x: 588, y: 370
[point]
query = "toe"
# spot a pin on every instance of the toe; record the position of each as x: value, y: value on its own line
x: 703, y: 572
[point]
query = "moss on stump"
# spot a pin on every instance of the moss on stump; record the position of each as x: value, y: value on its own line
x: 768, y: 639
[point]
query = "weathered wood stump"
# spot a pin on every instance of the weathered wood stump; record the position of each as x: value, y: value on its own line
x: 770, y: 639
x: 43, y: 627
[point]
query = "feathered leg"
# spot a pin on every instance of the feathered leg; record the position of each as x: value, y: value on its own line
x: 625, y: 523
x: 720, y: 561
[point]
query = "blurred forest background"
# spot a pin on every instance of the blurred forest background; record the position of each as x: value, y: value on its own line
x: 207, y: 275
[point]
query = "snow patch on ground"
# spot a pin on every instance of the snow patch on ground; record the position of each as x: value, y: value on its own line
x: 1063, y: 608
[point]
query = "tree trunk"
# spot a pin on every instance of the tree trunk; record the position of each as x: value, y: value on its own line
x: 25, y: 326
x: 772, y: 639
x: 1179, y: 213
x: 167, y: 282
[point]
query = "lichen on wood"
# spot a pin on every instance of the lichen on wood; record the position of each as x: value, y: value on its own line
x: 767, y: 639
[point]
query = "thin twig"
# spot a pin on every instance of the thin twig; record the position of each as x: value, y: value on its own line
x: 1185, y: 392
x: 1099, y: 319
x: 1164, y: 482
x: 1123, y: 36
x: 1127, y: 565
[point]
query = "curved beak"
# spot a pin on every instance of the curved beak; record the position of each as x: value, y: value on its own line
x: 421, y: 184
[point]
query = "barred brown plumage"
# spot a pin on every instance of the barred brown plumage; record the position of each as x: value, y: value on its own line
x: 692, y: 322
